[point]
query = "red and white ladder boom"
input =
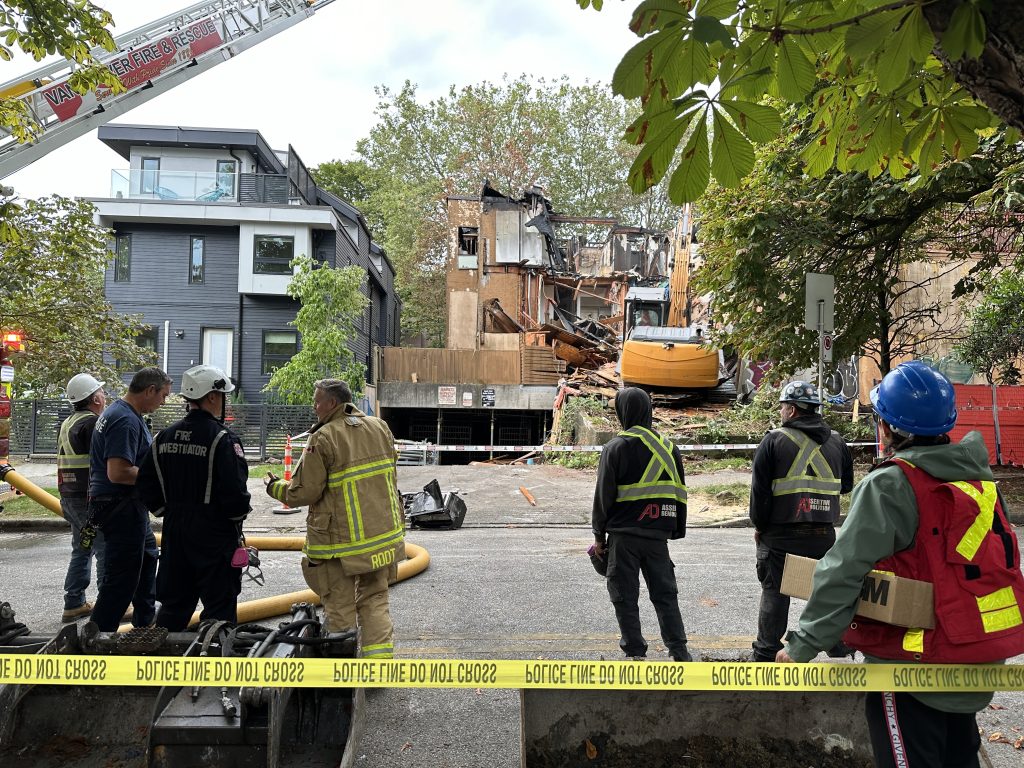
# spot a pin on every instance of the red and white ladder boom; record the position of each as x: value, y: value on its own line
x: 148, y: 61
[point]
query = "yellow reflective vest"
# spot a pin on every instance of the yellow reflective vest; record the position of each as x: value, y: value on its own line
x: 72, y: 467
x: 809, y: 491
x: 347, y: 477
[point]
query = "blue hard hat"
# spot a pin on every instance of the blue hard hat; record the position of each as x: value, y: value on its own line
x: 916, y: 399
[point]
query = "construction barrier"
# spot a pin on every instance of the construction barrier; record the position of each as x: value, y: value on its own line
x: 55, y: 669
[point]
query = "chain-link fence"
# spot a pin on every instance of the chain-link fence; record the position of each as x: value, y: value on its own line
x: 262, y: 428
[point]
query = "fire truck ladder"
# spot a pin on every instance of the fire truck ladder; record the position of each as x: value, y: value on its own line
x: 148, y: 61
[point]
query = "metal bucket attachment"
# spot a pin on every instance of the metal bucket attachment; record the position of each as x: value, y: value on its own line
x: 55, y: 726
x: 702, y: 729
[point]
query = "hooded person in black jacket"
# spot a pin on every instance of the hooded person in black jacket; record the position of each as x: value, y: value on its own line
x: 799, y: 472
x: 639, y: 504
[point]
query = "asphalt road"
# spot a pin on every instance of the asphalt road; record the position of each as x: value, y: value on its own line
x: 523, y: 592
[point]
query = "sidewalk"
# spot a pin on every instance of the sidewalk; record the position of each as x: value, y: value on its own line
x: 563, y: 496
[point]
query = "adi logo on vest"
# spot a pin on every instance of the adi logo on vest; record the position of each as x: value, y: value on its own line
x: 654, y: 511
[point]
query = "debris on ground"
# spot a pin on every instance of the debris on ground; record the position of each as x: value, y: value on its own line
x: 430, y: 508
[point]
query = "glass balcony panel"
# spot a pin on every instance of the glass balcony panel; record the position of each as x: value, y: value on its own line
x: 195, y: 186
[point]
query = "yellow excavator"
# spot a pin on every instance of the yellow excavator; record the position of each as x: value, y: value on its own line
x: 661, y: 350
x: 660, y: 355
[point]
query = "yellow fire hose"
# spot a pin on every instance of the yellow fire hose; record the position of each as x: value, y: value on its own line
x: 252, y: 610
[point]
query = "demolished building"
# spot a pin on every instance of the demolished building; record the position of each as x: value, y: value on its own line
x: 532, y: 295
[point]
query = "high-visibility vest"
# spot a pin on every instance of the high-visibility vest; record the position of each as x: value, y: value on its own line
x: 965, y: 547
x: 809, y: 491
x: 355, y: 511
x: 72, y: 468
x: 660, y: 479
x: 66, y: 456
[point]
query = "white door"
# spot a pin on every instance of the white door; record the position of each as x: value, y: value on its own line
x: 217, y: 347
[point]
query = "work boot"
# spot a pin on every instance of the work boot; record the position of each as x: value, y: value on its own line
x: 683, y: 655
x: 73, y: 614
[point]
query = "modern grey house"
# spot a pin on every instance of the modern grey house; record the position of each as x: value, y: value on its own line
x: 205, y: 224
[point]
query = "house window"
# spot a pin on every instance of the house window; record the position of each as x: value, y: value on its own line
x: 468, y: 239
x: 227, y: 172
x: 123, y: 259
x: 197, y: 259
x: 273, y: 254
x: 278, y: 348
x: 150, y: 174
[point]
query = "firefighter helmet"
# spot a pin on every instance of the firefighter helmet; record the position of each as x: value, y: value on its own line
x: 199, y: 381
x: 83, y: 386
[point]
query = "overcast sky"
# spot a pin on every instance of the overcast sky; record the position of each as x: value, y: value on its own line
x: 312, y: 85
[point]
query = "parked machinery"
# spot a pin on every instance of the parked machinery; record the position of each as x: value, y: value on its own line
x: 153, y: 727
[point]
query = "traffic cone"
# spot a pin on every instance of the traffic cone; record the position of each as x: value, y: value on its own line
x: 284, y: 509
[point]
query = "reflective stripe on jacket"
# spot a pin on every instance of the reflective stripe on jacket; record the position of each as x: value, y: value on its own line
x: 809, y: 491
x: 966, y: 548
x: 661, y: 477
x: 347, y: 477
x: 73, y: 467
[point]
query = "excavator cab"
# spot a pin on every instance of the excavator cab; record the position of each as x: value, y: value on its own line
x: 658, y: 356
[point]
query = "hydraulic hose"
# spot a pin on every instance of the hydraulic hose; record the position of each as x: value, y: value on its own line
x: 417, y: 557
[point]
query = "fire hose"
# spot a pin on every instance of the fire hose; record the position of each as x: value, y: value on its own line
x: 251, y: 610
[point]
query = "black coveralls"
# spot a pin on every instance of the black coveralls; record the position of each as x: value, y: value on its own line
x: 195, y: 477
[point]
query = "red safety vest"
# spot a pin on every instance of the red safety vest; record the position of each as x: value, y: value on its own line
x: 966, y: 548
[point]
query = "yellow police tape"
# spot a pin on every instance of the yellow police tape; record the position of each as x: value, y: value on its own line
x: 448, y: 673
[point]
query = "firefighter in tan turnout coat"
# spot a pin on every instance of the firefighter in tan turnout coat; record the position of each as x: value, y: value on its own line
x: 355, y: 528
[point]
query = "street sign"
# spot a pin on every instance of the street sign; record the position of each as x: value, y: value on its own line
x: 827, y: 340
x: 821, y: 297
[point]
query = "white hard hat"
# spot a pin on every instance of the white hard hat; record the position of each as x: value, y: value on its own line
x: 82, y: 386
x: 199, y: 381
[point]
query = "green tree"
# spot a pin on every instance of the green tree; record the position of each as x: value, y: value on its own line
x: 52, y: 291
x: 331, y: 303
x: 761, y: 239
x: 947, y: 71
x: 995, y: 337
x: 563, y: 137
x: 44, y: 28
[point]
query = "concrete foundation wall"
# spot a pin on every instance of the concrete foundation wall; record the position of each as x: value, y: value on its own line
x: 514, y: 397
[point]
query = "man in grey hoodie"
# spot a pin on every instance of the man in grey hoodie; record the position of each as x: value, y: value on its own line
x: 639, y: 504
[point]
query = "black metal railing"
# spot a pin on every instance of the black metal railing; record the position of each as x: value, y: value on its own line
x: 262, y: 428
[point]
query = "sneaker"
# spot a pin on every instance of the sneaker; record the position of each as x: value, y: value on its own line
x: 73, y: 614
x: 684, y: 656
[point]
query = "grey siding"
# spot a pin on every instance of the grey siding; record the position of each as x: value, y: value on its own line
x: 259, y: 314
x: 159, y: 290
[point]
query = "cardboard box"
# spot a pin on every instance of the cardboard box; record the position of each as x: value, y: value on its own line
x: 884, y: 597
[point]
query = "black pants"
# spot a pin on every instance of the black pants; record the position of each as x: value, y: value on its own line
x: 773, y: 615
x: 628, y: 557
x: 195, y: 564
x: 129, y: 562
x: 906, y: 733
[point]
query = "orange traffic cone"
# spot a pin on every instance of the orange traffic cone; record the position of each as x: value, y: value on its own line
x: 284, y: 509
